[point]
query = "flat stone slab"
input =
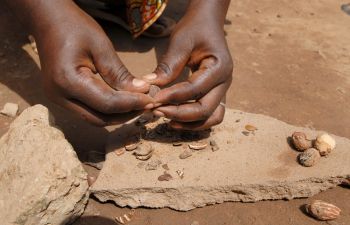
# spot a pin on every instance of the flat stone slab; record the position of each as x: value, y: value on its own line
x: 260, y: 166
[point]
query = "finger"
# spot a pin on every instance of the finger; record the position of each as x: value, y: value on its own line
x: 210, y: 74
x: 97, y: 118
x: 215, y: 119
x: 96, y: 94
x: 113, y: 71
x: 200, y: 110
x: 172, y: 63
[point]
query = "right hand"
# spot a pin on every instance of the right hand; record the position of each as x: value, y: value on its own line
x: 81, y: 70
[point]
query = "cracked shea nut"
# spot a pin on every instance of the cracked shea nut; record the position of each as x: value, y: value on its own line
x: 325, y: 144
x: 300, y: 141
x: 322, y: 210
x: 309, y: 158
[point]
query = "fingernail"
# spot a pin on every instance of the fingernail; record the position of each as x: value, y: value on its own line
x: 138, y: 83
x: 150, y: 106
x: 158, y: 113
x: 151, y: 76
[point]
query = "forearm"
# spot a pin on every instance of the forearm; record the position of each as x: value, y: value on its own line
x: 38, y: 15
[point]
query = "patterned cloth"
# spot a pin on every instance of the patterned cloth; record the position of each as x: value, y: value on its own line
x: 143, y: 13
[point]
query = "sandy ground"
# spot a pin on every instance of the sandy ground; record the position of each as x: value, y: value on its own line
x: 291, y: 62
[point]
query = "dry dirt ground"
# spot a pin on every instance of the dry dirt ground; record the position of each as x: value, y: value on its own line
x: 291, y: 62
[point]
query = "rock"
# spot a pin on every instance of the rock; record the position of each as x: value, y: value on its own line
x: 42, y: 180
x: 10, y: 109
x: 309, y: 158
x: 246, y: 168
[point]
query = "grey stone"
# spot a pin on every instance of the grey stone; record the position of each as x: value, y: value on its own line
x: 250, y: 168
x: 41, y: 179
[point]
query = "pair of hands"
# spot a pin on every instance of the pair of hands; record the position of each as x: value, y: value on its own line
x: 83, y: 73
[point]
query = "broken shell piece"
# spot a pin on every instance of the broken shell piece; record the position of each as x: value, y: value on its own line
x: 198, y: 146
x: 325, y: 144
x: 309, y: 158
x: 132, y: 146
x: 119, y: 220
x: 165, y: 166
x: 125, y: 218
x: 153, y: 165
x: 153, y: 90
x: 143, y: 157
x: 185, y: 154
x: 10, y: 109
x: 165, y: 177
x: 251, y: 128
x: 300, y: 141
x: 177, y: 143
x: 119, y: 152
x: 180, y: 173
x: 322, y: 210
x: 143, y: 150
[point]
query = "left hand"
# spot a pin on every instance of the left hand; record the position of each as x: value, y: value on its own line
x: 198, y: 42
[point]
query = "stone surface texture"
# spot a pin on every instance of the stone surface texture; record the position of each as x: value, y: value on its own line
x: 260, y: 166
x: 41, y: 179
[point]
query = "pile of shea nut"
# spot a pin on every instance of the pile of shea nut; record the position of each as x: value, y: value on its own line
x: 312, y: 150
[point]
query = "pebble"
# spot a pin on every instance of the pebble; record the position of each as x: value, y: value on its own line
x: 10, y: 109
x: 185, y: 154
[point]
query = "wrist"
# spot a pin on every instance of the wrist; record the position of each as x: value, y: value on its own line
x: 213, y: 9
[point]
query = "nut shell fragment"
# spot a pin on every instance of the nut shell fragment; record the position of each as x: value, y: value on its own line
x: 251, y: 128
x: 322, y: 210
x: 143, y: 157
x: 131, y: 147
x: 143, y: 150
x: 198, y: 145
x: 119, y: 152
x: 325, y: 144
x: 185, y: 154
x: 309, y: 158
x: 300, y: 141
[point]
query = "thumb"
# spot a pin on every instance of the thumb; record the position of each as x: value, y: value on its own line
x: 171, y: 64
x: 114, y: 73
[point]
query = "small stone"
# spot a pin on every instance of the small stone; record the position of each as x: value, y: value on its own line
x: 185, y: 154
x: 153, y: 90
x: 119, y: 152
x: 325, y: 144
x: 10, y: 109
x: 322, y: 210
x: 300, y: 141
x: 165, y: 177
x: 165, y: 166
x: 309, y: 158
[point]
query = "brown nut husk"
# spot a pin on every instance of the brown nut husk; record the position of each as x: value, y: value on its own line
x: 325, y: 144
x: 322, y: 210
x: 309, y: 158
x: 300, y: 141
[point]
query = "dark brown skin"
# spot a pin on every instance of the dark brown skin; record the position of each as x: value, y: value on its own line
x: 82, y: 72
x: 199, y: 43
